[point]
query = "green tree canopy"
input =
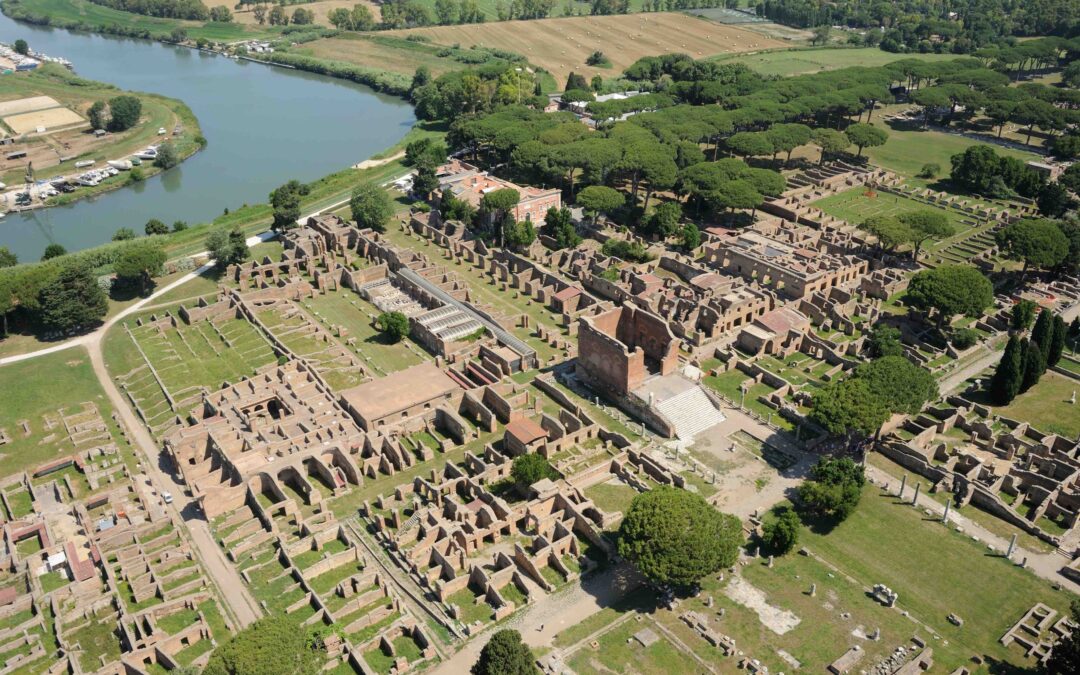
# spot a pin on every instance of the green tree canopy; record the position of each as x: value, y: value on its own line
x: 124, y: 234
x: 833, y: 489
x: 674, y: 537
x: 1036, y: 242
x: 7, y: 258
x: 285, y: 201
x: 394, y: 325
x: 781, y: 533
x: 227, y: 246
x: 505, y: 654
x: 53, y: 251
x: 884, y: 340
x: 124, y: 112
x: 848, y: 407
x: 560, y: 227
x: 167, y: 156
x: 926, y: 224
x: 864, y: 135
x: 903, y: 386
x: 531, y: 467
x: 1005, y: 384
x: 371, y: 207
x: 831, y: 142
x: 890, y: 231
x: 73, y: 300
x: 155, y: 226
x: 597, y: 199
x: 751, y: 144
x: 273, y: 644
x: 951, y: 290
x: 139, y: 263
x: 1022, y: 315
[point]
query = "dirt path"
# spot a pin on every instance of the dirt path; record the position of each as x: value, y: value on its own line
x: 231, y: 587
x: 372, y: 163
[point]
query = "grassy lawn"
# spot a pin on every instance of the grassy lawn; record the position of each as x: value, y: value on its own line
x: 611, y: 496
x: 345, y: 308
x: 801, y: 61
x: 855, y: 206
x: 933, y: 576
x: 907, y: 151
x: 61, y: 380
x: 381, y: 662
x: 619, y: 653
x: 981, y: 518
x: 473, y: 608
x: 1046, y: 406
x: 97, y: 638
x: 197, y: 355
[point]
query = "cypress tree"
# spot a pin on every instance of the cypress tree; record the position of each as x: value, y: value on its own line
x: 1033, y: 366
x: 1010, y: 371
x: 1057, y: 341
x: 1041, y: 334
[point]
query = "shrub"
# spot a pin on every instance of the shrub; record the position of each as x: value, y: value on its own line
x: 930, y: 170
x: 965, y: 337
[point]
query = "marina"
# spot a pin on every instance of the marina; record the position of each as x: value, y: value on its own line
x: 318, y: 125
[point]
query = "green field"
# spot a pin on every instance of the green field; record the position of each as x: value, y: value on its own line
x: 61, y: 380
x: 907, y: 151
x: 934, y: 570
x: 802, y: 61
x: 855, y: 206
x: 88, y: 16
x: 1046, y: 406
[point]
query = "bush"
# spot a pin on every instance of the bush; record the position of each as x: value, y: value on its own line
x: 531, y: 467
x: 965, y: 337
x: 782, y: 534
x: 833, y: 489
x: 930, y: 170
x: 394, y: 325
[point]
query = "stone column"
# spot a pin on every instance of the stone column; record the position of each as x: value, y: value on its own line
x: 945, y: 517
x: 915, y: 499
x: 903, y: 483
x: 1012, y: 546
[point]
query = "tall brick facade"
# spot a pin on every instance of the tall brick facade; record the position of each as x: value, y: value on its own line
x: 618, y: 349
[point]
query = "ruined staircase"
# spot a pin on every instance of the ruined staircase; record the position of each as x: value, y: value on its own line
x: 691, y: 412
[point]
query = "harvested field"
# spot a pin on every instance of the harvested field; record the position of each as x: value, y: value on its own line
x: 53, y: 118
x: 376, y: 50
x: 562, y: 45
x: 28, y: 104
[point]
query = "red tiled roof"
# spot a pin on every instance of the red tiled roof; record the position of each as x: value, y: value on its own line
x: 567, y: 293
x: 525, y: 430
x: 80, y: 569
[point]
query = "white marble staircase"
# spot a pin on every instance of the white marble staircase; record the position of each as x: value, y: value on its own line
x: 691, y: 412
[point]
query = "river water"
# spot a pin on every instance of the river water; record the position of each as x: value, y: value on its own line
x: 265, y: 125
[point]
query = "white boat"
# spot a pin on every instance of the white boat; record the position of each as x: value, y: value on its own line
x: 121, y: 164
x: 161, y: 131
x: 84, y: 163
x: 148, y: 153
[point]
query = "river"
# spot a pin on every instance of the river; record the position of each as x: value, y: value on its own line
x: 265, y: 125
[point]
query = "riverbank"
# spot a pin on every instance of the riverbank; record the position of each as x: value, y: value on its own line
x: 68, y: 148
x: 83, y: 15
x: 330, y: 191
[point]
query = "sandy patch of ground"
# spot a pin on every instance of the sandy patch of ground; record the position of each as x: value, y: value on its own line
x: 561, y: 45
x: 53, y: 118
x: 28, y: 104
x: 777, y: 620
